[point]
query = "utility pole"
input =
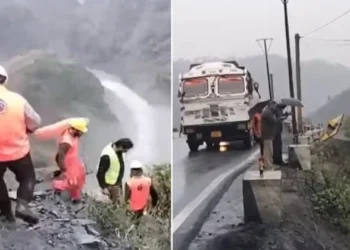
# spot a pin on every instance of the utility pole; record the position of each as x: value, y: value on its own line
x: 298, y: 78
x: 290, y: 70
x: 272, y: 89
x: 267, y: 63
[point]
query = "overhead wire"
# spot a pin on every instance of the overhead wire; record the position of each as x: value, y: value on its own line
x: 328, y: 42
x: 268, y: 50
x: 322, y: 43
x: 327, y: 39
x: 311, y: 47
x: 262, y: 48
x: 327, y: 24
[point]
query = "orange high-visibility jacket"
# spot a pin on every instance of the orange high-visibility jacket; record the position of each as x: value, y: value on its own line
x: 16, y: 117
x: 140, y: 192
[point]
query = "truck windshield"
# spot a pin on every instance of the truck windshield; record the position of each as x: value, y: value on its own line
x: 195, y: 87
x: 231, y: 84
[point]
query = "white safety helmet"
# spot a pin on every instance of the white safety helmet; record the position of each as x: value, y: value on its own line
x: 3, y: 73
x: 136, y: 165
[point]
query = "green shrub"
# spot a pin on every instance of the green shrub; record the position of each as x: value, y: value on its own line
x: 332, y: 200
x: 161, y: 176
x: 153, y: 232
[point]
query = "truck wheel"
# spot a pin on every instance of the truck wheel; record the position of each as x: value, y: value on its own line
x: 193, y: 146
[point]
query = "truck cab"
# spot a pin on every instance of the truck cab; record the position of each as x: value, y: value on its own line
x: 215, y: 98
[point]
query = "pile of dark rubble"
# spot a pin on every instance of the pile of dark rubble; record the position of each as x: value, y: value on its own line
x: 62, y: 225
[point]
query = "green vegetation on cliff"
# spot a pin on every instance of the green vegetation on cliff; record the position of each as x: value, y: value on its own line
x: 154, y: 229
x: 332, y: 161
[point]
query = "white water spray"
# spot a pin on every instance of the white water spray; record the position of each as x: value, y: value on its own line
x: 148, y: 126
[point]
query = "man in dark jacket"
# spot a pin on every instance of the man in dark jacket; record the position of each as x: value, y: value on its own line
x: 268, y: 132
x: 277, y: 141
x: 111, y: 167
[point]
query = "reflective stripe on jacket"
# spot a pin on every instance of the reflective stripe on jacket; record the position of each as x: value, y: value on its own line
x: 113, y: 172
x: 16, y: 116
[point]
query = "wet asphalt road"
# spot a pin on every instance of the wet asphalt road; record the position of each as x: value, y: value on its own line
x: 227, y: 214
x: 192, y: 172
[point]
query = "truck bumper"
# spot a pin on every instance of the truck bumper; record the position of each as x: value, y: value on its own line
x: 222, y: 132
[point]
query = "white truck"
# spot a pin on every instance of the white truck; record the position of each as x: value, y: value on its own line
x: 215, y: 98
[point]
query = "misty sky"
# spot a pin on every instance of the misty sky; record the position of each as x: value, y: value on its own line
x: 231, y: 27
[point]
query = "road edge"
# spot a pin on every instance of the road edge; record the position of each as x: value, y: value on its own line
x: 187, y: 224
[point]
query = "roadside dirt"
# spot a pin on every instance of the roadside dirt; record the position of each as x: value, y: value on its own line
x: 62, y: 225
x: 300, y: 229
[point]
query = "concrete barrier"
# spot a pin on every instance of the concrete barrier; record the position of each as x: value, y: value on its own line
x: 317, y: 133
x: 186, y: 225
x: 310, y: 136
x: 262, y: 197
x: 305, y: 139
x: 299, y: 156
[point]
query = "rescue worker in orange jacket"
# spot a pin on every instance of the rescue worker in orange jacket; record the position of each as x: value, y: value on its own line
x: 138, y: 190
x: 72, y: 168
x: 17, y: 120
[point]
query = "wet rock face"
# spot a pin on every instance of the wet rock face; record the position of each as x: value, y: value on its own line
x: 62, y: 226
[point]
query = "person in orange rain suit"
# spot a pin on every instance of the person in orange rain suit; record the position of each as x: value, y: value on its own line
x: 138, y: 190
x: 17, y: 120
x: 71, y: 174
x: 256, y: 126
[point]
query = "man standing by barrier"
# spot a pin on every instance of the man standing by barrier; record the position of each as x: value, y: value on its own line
x: 268, y: 132
x: 277, y: 141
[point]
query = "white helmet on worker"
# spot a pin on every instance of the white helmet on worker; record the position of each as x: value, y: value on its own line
x: 3, y: 75
x: 136, y: 165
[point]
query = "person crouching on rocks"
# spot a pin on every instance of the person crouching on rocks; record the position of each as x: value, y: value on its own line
x: 71, y: 173
x: 138, y: 190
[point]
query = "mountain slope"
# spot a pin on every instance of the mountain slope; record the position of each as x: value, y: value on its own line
x: 60, y: 90
x: 335, y: 106
x: 319, y: 79
x: 128, y: 38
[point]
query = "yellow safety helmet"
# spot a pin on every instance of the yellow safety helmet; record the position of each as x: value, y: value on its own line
x: 80, y: 124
